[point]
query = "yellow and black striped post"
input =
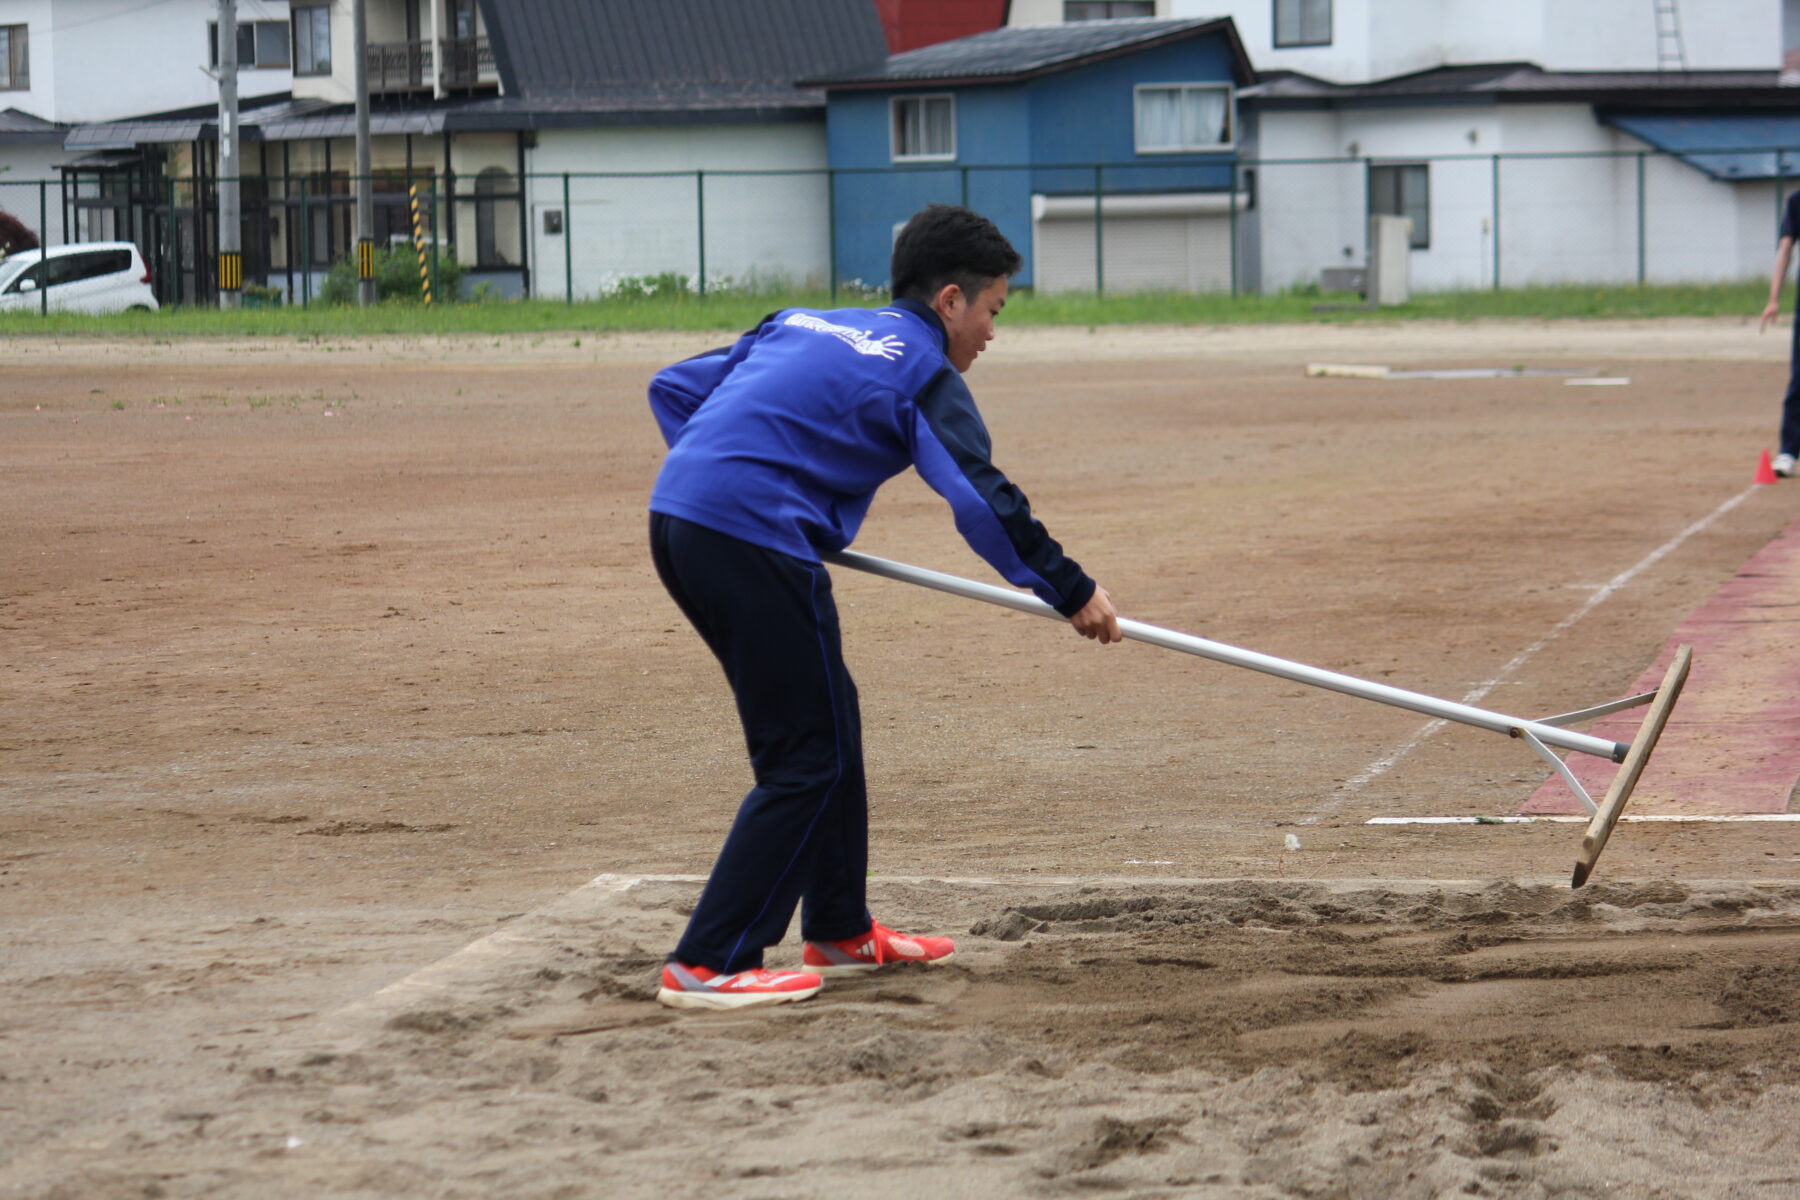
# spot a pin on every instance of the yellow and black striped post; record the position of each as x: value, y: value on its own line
x: 231, y: 271
x: 365, y: 259
x: 418, y: 228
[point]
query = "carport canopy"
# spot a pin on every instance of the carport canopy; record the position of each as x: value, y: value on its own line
x: 1726, y: 146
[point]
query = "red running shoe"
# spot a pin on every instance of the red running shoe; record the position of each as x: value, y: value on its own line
x: 879, y: 947
x: 699, y: 987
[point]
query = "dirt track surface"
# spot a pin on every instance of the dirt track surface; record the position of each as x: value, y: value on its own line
x: 325, y: 661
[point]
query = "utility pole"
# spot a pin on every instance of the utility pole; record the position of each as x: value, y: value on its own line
x: 365, y: 186
x: 231, y: 223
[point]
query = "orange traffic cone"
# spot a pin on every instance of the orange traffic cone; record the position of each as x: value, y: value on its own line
x: 1765, y: 470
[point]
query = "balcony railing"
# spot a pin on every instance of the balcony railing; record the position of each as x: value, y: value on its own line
x: 413, y: 66
x: 469, y: 62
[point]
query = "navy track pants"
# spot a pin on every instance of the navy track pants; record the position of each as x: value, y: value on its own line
x: 801, y: 836
x: 1790, y: 404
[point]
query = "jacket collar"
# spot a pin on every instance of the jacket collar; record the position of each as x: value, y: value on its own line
x: 924, y: 312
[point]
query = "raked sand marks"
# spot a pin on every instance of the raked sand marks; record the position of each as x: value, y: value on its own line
x: 1211, y: 1038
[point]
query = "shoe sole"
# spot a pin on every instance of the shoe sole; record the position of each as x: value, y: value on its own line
x: 676, y: 998
x: 865, y: 968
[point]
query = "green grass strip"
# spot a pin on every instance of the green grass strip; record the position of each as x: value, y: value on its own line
x: 737, y: 310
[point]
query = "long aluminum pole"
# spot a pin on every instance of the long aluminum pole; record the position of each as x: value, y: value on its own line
x: 1168, y: 639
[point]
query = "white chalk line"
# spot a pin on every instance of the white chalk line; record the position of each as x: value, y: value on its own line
x: 1347, y: 790
x: 1643, y: 818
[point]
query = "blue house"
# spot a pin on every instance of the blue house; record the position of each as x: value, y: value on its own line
x: 1043, y: 129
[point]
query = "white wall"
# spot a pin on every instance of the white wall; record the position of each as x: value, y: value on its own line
x: 1561, y: 219
x: 771, y: 228
x: 1313, y: 215
x: 1703, y: 231
x: 100, y: 60
x: 1621, y: 34
x: 22, y: 166
x: 1049, y: 12
x: 39, y: 98
x: 1309, y: 216
x: 1375, y: 39
x: 339, y: 86
x: 1758, y: 222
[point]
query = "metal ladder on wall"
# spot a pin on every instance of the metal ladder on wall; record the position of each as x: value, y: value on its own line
x: 1671, y: 54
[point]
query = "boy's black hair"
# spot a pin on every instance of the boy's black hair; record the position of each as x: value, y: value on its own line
x: 946, y: 244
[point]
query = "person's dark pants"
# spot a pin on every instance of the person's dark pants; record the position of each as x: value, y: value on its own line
x: 1790, y: 404
x: 802, y: 834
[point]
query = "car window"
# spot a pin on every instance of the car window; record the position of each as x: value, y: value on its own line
x: 65, y: 268
x: 33, y: 273
x: 10, y: 272
x: 105, y: 262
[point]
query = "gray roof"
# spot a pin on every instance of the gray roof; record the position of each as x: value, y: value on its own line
x: 123, y: 135
x: 200, y: 121
x: 583, y: 63
x: 1518, y: 81
x: 17, y: 126
x: 618, y: 56
x: 295, y: 119
x: 298, y: 120
x: 1021, y: 52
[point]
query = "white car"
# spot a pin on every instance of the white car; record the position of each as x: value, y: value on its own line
x: 87, y: 277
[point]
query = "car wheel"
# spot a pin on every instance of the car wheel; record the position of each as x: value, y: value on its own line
x: 139, y: 308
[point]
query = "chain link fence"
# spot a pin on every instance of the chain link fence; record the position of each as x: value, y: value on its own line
x: 1239, y: 226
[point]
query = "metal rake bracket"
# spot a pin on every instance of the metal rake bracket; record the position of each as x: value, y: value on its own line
x: 1541, y: 735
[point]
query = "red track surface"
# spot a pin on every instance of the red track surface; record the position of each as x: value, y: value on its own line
x: 1733, y: 743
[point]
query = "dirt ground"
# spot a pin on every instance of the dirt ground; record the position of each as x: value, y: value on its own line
x: 329, y: 661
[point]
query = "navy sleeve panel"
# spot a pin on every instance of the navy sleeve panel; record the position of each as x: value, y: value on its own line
x: 1790, y: 217
x: 678, y: 390
x: 952, y: 450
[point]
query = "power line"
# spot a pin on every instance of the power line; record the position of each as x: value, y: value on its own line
x: 107, y: 16
x: 262, y: 9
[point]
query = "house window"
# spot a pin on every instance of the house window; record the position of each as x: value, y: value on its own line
x: 312, y: 40
x: 1106, y: 10
x: 924, y: 128
x: 496, y: 218
x: 1404, y: 190
x: 15, y: 62
x: 262, y: 45
x: 1177, y: 118
x: 464, y: 22
x: 1302, y: 22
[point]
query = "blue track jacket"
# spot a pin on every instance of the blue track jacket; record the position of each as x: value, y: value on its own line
x: 782, y: 439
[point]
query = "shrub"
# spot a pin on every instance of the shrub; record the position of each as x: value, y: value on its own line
x: 396, y: 277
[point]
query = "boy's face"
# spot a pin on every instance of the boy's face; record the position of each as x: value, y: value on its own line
x: 969, y: 321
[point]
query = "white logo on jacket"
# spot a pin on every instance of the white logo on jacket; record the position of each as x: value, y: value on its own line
x: 888, y: 347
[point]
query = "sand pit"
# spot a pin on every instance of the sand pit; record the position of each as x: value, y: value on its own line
x: 1201, y: 1038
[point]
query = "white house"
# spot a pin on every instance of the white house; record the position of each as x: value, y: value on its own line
x: 1360, y: 41
x: 519, y: 122
x: 63, y: 64
x: 1536, y: 141
x: 670, y: 138
x: 100, y: 60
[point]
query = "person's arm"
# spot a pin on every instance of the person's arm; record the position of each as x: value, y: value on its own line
x: 1784, y: 252
x: 678, y: 390
x: 953, y: 454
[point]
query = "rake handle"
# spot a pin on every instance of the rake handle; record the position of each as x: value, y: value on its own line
x: 1282, y: 668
